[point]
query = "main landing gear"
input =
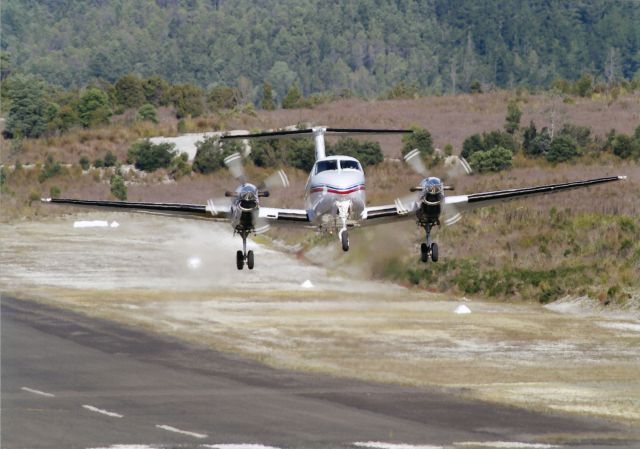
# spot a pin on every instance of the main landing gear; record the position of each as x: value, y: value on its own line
x: 429, y: 249
x: 244, y: 256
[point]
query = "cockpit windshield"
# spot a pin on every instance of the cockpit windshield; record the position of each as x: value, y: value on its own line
x: 326, y: 165
x: 346, y: 164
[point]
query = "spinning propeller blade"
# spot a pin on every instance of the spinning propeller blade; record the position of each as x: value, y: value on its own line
x: 235, y: 166
x: 414, y: 159
x: 275, y: 180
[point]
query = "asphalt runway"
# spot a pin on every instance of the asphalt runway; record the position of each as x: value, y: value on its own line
x: 69, y: 381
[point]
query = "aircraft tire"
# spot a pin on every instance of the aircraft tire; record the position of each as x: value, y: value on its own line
x: 239, y: 260
x: 345, y: 241
x: 250, y: 260
x: 424, y: 252
x: 434, y: 252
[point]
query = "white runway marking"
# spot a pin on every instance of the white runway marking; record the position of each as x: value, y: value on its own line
x: 41, y: 393
x: 506, y: 445
x: 104, y: 412
x: 239, y: 446
x: 184, y: 432
x: 381, y: 445
x: 127, y: 446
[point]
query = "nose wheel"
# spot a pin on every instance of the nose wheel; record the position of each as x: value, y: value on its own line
x: 429, y: 249
x: 243, y: 255
x: 344, y: 239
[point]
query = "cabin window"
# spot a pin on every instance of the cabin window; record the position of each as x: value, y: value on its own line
x: 326, y: 165
x: 349, y: 165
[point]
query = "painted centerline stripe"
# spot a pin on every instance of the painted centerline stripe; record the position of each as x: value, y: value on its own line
x: 184, y: 432
x: 239, y: 446
x: 506, y: 444
x: 104, y: 412
x: 41, y: 393
x: 381, y: 445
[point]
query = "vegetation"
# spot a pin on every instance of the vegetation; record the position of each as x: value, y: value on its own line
x: 368, y: 47
x: 495, y: 159
x: 118, y: 187
x: 149, y: 156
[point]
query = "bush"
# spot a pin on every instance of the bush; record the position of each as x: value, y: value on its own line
x: 562, y: 149
x: 624, y: 146
x: 210, y: 154
x: 129, y: 91
x: 93, y: 108
x: 420, y: 139
x: 148, y: 113
x: 293, y: 97
x: 148, y: 156
x: 118, y: 187
x: 512, y: 120
x: 84, y: 162
x: 496, y: 159
x: 110, y: 159
x: 222, y: 97
x: 98, y: 163
x: 180, y: 166
x: 580, y: 134
x: 51, y: 168
x: 187, y: 99
x: 367, y: 152
x: 54, y: 192
x: 488, y: 141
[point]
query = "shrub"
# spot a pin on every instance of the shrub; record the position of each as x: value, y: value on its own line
x: 180, y: 165
x: 420, y: 139
x: 110, y: 159
x: 488, y: 141
x: 512, y: 120
x: 496, y: 159
x: 93, y: 108
x: 51, y: 168
x: 118, y: 187
x: 129, y: 91
x: 292, y: 98
x: 210, y: 154
x: 98, y: 163
x: 84, y: 162
x: 148, y: 156
x: 562, y: 149
x: 624, y: 146
x: 367, y: 152
x: 54, y: 192
x: 580, y: 134
x: 148, y: 113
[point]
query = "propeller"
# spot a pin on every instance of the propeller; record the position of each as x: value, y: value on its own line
x: 454, y: 167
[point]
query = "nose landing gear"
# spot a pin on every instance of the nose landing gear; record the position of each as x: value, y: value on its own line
x: 429, y: 249
x: 243, y: 255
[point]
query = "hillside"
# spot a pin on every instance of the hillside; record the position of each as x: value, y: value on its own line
x: 366, y: 46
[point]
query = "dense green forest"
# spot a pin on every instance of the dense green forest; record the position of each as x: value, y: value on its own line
x: 368, y: 46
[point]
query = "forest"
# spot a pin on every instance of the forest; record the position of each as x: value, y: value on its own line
x: 365, y: 47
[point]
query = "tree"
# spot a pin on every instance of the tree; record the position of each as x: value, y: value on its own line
x: 267, y: 97
x: 222, y: 97
x: 187, y: 99
x: 512, y: 120
x: 528, y: 136
x: 118, y: 187
x: 28, y: 108
x: 495, y: 159
x: 129, y: 91
x: 84, y: 162
x: 472, y: 144
x: 93, y: 108
x: 148, y: 113
x: 156, y: 91
x: 563, y: 148
x: 293, y: 97
x: 148, y: 156
x: 584, y: 86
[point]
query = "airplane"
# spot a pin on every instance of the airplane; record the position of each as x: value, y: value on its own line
x: 334, y: 197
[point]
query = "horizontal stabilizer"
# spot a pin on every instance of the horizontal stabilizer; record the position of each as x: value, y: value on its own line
x: 307, y: 132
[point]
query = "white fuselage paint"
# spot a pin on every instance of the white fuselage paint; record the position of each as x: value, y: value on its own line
x: 326, y: 188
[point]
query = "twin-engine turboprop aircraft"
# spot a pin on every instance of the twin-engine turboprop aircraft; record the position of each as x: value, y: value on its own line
x: 334, y: 197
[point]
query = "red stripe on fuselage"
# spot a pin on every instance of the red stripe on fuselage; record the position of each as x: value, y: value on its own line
x: 339, y: 192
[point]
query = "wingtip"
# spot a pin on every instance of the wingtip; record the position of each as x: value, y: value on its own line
x: 622, y: 178
x: 45, y: 200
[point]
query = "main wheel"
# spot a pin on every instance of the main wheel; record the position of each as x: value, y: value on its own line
x: 345, y: 241
x: 250, y: 260
x: 239, y: 260
x: 424, y: 252
x: 434, y: 251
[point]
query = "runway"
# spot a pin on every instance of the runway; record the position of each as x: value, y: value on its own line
x: 69, y: 381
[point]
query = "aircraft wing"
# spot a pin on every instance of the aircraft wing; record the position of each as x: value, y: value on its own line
x: 455, y: 204
x: 193, y: 211
x: 285, y: 217
x: 388, y: 213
